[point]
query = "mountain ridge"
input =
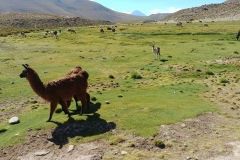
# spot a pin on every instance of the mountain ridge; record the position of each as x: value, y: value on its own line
x: 71, y: 8
x: 228, y: 10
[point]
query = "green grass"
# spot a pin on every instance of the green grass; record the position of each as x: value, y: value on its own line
x: 164, y: 94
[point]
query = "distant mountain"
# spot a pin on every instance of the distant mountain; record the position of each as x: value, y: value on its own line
x: 137, y: 13
x: 72, y: 8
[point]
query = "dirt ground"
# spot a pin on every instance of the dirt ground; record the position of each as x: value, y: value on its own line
x: 212, y: 136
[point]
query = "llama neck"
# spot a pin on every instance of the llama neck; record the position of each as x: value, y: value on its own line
x: 36, y: 84
x: 154, y: 49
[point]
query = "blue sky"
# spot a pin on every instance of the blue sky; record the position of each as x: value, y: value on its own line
x: 148, y: 7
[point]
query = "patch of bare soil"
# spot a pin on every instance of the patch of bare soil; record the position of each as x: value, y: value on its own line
x: 211, y: 136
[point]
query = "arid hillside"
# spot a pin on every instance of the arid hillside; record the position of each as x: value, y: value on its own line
x: 36, y: 20
x: 226, y: 11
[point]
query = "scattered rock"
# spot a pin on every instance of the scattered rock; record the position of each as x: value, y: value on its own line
x: 70, y: 148
x: 41, y: 153
x: 107, y: 102
x: 89, y: 157
x: 183, y: 125
x: 14, y: 120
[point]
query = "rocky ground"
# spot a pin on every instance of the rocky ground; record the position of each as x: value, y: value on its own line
x: 211, y: 136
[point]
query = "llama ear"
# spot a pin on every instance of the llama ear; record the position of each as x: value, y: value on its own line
x: 25, y: 65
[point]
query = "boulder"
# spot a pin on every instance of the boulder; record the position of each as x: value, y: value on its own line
x: 14, y: 120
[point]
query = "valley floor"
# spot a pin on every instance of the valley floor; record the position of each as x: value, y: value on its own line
x: 212, y: 136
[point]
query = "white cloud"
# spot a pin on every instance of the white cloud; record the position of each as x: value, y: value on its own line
x: 154, y: 11
x: 167, y: 10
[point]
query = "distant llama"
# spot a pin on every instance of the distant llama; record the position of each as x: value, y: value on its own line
x: 23, y: 34
x: 156, y: 52
x: 237, y: 36
x: 113, y: 29
x: 52, y: 33
x: 205, y: 25
x: 101, y: 30
x: 57, y: 91
x: 74, y: 71
x: 72, y: 31
x: 179, y: 24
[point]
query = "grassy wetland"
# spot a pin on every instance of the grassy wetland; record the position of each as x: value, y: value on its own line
x: 142, y: 93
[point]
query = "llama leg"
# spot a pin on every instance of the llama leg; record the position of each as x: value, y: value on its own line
x: 62, y: 104
x: 84, y: 102
x: 76, y: 100
x: 69, y: 103
x: 65, y: 108
x: 53, y: 106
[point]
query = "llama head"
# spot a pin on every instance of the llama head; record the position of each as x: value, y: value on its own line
x: 25, y: 71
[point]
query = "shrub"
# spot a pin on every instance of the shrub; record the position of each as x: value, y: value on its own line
x: 93, y: 98
x: 209, y: 72
x: 34, y: 106
x: 223, y: 80
x: 116, y: 140
x: 111, y: 76
x: 159, y: 143
x: 120, y: 95
x: 235, y: 52
x: 135, y: 75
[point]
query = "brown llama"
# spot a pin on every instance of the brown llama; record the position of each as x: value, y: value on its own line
x: 23, y: 34
x: 57, y: 91
x: 179, y: 24
x: 237, y: 36
x: 74, y: 71
x: 101, y: 30
x: 72, y: 31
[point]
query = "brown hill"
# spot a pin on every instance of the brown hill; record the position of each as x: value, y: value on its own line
x: 71, y: 8
x: 214, y: 12
x: 37, y: 20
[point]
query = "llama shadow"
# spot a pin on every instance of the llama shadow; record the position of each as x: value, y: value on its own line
x: 163, y: 60
x: 93, y: 125
x: 92, y: 109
